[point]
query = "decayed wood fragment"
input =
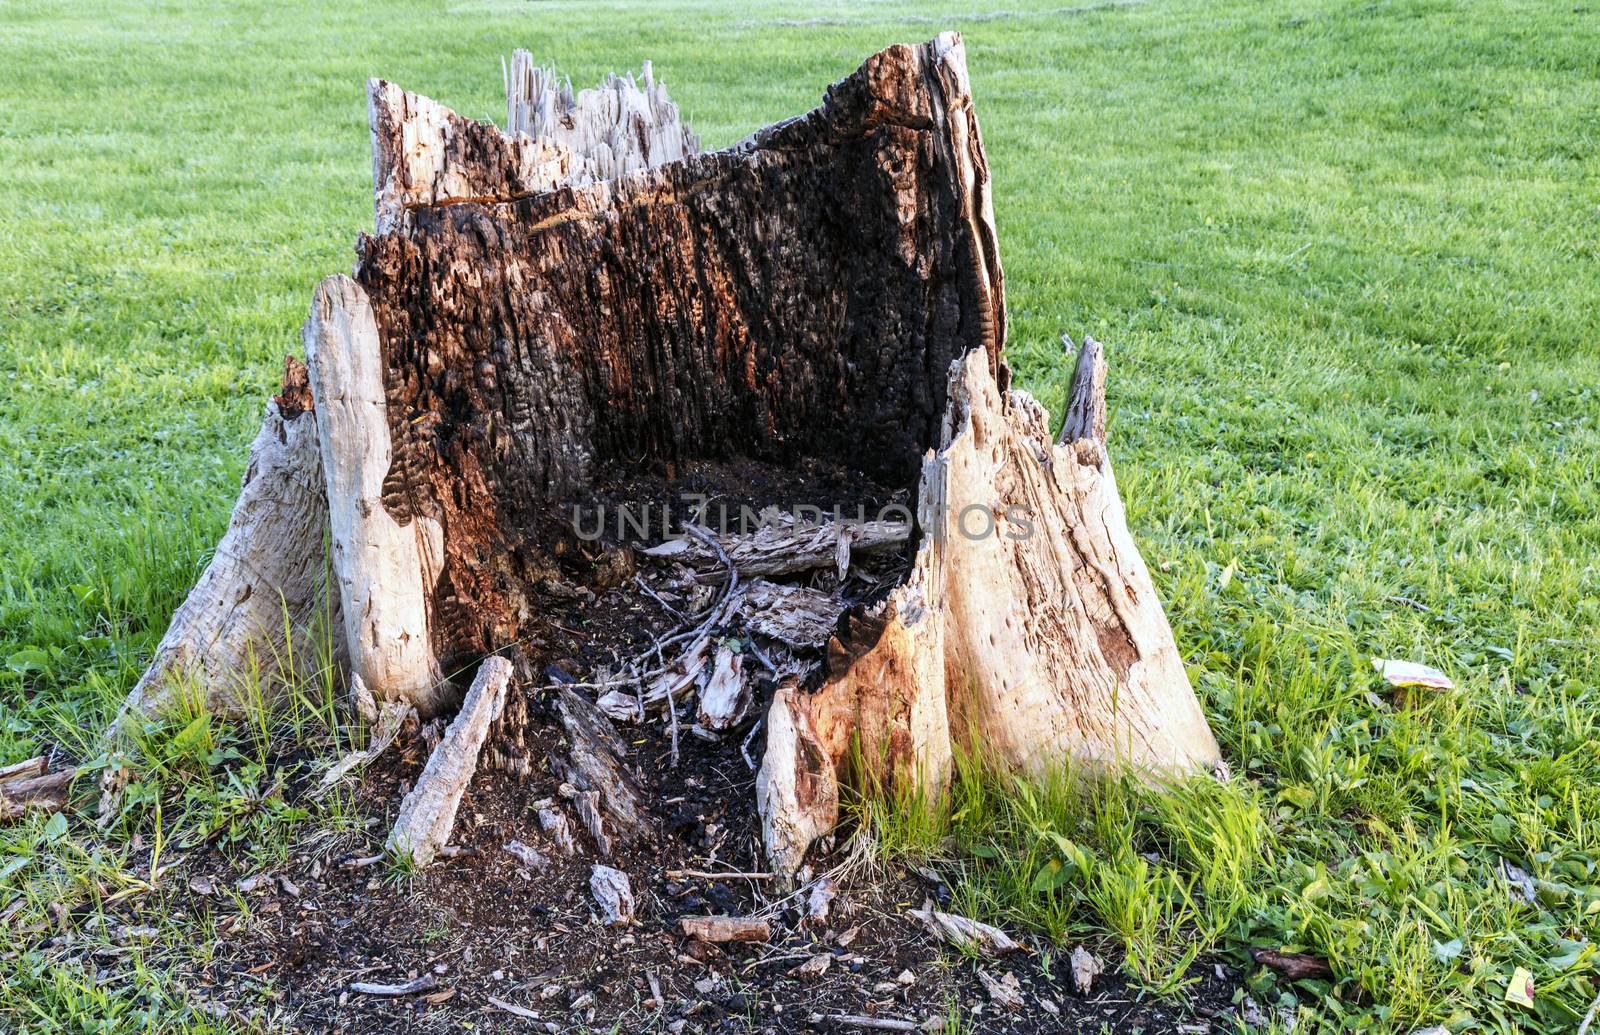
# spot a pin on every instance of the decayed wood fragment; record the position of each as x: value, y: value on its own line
x: 795, y: 615
x: 725, y: 696
x: 612, y: 893
x: 428, y: 813
x: 797, y: 793
x: 964, y: 933
x: 594, y: 765
x: 30, y: 790
x: 725, y: 929
x: 556, y: 827
x: 250, y: 623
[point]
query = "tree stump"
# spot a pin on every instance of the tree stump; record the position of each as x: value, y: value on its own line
x: 587, y: 293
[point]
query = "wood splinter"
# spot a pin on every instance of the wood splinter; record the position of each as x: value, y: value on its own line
x: 428, y: 813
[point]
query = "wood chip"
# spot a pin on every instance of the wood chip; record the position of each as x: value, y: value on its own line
x: 819, y: 901
x: 813, y: 968
x: 966, y: 934
x: 612, y: 893
x: 556, y: 827
x: 1005, y: 990
x: 725, y: 929
x: 1085, y: 968
x: 513, y: 1009
x: 528, y: 856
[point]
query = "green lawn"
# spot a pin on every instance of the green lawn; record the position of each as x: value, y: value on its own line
x: 1346, y: 258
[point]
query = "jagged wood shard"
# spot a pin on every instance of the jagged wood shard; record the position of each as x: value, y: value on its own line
x: 428, y: 814
x: 254, y: 615
x: 585, y: 292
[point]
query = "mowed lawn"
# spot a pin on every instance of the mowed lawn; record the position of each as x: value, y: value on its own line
x: 1346, y: 260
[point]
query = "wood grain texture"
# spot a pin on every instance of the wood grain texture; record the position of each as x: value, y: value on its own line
x: 251, y: 622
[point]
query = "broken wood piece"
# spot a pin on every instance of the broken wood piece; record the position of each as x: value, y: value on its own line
x: 556, y: 827
x: 857, y: 1020
x: 36, y: 766
x: 819, y: 900
x: 784, y: 544
x: 725, y: 697
x: 594, y: 766
x: 392, y: 715
x: 799, y: 616
x: 813, y: 968
x: 45, y: 792
x: 1085, y: 968
x: 612, y: 893
x: 530, y: 857
x: 418, y: 984
x: 720, y: 929
x: 513, y: 1009
x: 1005, y: 990
x: 797, y: 792
x: 428, y: 813
x: 966, y: 934
x: 587, y: 804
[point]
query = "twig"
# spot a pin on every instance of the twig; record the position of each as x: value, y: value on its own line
x: 515, y: 1010
x: 1588, y: 1018
x: 708, y: 875
x: 653, y: 595
x: 861, y: 1021
x: 744, y: 749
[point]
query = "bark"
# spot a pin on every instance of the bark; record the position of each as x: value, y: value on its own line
x: 798, y: 295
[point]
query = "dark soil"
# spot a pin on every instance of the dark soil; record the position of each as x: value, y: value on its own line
x: 486, y: 929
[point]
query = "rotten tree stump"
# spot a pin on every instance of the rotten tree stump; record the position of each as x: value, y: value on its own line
x: 588, y: 293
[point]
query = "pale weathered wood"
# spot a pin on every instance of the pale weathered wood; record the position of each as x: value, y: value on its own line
x: 725, y: 696
x: 617, y: 128
x: 428, y: 814
x: 784, y: 544
x: 612, y: 893
x: 1029, y: 632
x: 385, y: 570
x: 797, y: 790
x: 251, y: 623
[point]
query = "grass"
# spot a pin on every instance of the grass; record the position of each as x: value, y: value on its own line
x: 1345, y: 259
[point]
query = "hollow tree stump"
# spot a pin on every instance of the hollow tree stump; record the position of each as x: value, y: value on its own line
x: 589, y: 292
